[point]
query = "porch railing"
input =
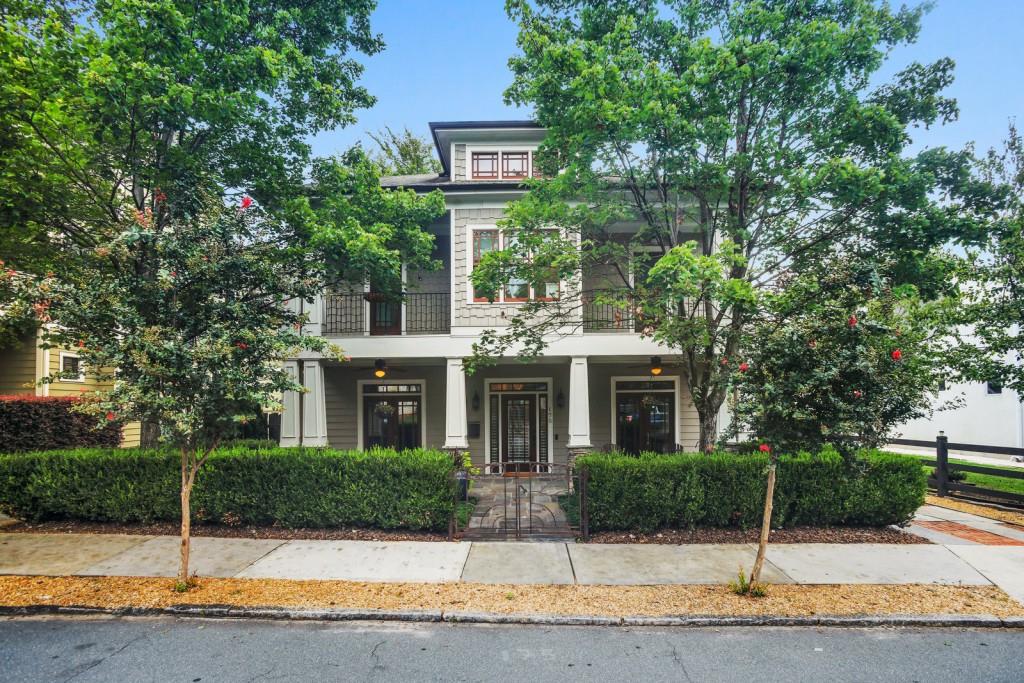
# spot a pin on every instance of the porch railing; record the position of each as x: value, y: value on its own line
x: 425, y: 313
x: 606, y: 317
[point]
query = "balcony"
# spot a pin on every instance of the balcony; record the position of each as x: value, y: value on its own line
x: 372, y: 314
x: 605, y: 317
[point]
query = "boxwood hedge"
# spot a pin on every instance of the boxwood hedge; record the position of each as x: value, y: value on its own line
x: 291, y: 487
x: 653, y: 491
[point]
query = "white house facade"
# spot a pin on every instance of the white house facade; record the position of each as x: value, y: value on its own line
x: 405, y: 385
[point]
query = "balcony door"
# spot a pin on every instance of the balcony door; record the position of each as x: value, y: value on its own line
x: 385, y: 314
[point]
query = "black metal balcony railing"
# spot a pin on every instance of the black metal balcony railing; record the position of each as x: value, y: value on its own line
x: 606, y: 317
x: 425, y: 313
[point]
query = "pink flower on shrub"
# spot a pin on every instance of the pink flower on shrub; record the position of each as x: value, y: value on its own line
x: 725, y: 360
x: 857, y: 393
x: 110, y: 416
x: 744, y: 367
x: 764, y: 448
x: 242, y: 345
x: 897, y: 355
x: 246, y: 202
x: 852, y: 322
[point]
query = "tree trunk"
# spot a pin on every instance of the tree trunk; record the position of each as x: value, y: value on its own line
x: 766, y: 524
x: 708, y: 428
x: 186, y: 521
x: 149, y: 434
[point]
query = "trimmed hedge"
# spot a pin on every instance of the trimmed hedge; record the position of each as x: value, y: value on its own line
x: 38, y: 423
x: 655, y: 491
x: 290, y: 487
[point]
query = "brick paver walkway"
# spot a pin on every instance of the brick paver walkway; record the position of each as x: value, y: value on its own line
x: 969, y: 533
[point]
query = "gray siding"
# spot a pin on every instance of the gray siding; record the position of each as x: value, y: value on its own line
x: 459, y: 163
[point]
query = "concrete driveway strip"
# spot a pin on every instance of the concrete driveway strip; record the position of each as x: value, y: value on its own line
x: 362, y: 561
x: 625, y: 564
x: 544, y: 563
x: 60, y: 554
x: 1002, y: 565
x: 219, y: 557
x: 817, y: 563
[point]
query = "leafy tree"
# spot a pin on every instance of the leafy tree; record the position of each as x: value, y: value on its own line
x: 403, y: 153
x: 125, y: 107
x: 743, y: 142
x: 841, y: 358
x: 991, y: 345
x: 200, y: 344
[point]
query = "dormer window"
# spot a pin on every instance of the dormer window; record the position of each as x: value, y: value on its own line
x: 485, y: 165
x: 515, y: 164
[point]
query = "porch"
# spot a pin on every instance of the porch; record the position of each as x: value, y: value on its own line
x: 511, y: 418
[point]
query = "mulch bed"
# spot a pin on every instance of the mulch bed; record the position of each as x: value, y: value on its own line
x: 849, y: 534
x: 219, y: 531
x: 782, y: 600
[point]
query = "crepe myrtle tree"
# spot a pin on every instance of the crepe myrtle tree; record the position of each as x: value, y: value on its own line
x: 196, y: 347
x: 698, y: 151
x: 838, y: 357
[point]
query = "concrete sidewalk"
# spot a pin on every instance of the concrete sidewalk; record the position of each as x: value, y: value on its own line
x: 954, y: 559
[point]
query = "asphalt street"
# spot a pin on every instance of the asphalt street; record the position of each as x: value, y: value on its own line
x: 111, y: 649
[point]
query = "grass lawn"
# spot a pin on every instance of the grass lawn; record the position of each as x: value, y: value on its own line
x: 987, y: 481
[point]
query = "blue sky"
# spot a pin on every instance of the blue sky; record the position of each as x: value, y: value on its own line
x: 448, y: 61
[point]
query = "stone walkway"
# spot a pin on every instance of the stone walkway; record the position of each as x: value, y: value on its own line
x: 528, y: 505
x: 952, y: 560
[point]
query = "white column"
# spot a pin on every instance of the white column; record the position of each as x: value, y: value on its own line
x: 314, y: 405
x: 290, y: 411
x: 455, y: 406
x: 314, y: 308
x: 579, y: 404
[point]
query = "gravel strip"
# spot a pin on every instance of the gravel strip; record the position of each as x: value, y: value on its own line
x: 1008, y: 516
x: 17, y: 592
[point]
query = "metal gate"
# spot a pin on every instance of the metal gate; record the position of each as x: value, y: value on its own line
x: 545, y: 502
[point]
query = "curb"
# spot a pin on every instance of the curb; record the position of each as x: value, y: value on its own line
x: 439, y: 616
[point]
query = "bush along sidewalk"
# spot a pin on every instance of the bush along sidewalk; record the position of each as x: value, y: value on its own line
x: 34, y: 423
x: 653, y: 491
x: 291, y: 487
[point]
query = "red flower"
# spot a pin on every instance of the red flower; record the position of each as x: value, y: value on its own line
x: 159, y: 196
x: 764, y: 448
x: 174, y: 273
x: 852, y: 322
x: 857, y: 393
x: 242, y: 345
x: 896, y: 354
x: 744, y: 367
x: 81, y: 343
x: 725, y: 360
x: 110, y: 416
x: 246, y: 202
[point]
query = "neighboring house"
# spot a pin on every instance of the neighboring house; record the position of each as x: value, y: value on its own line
x: 405, y: 385
x: 24, y: 364
x: 988, y: 415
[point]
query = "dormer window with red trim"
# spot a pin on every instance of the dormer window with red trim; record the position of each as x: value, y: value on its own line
x: 515, y: 164
x: 485, y: 166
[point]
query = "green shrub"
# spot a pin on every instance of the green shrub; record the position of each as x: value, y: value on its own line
x: 725, y: 489
x: 290, y: 487
x: 37, y: 423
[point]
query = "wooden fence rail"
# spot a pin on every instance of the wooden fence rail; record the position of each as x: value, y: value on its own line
x: 943, y: 485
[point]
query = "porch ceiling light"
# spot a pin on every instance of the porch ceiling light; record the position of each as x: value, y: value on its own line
x: 380, y: 368
x: 656, y: 365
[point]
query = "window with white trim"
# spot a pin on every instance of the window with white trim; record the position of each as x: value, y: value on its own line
x: 515, y: 290
x: 71, y: 367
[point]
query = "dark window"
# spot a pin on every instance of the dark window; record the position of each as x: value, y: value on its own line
x: 391, y: 388
x: 515, y: 164
x: 71, y: 368
x: 994, y: 387
x: 485, y: 165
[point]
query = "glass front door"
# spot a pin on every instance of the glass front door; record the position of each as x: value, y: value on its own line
x: 391, y: 422
x: 519, y: 416
x: 645, y: 422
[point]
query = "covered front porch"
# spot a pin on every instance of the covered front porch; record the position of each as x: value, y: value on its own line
x: 510, y: 417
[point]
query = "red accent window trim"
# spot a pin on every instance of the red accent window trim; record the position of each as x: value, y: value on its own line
x: 488, y: 170
x: 521, y: 161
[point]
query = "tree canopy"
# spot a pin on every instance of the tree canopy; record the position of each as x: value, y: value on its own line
x: 707, y: 151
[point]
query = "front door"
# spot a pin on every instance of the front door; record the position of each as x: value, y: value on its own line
x: 644, y: 422
x: 519, y: 433
x: 392, y: 422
